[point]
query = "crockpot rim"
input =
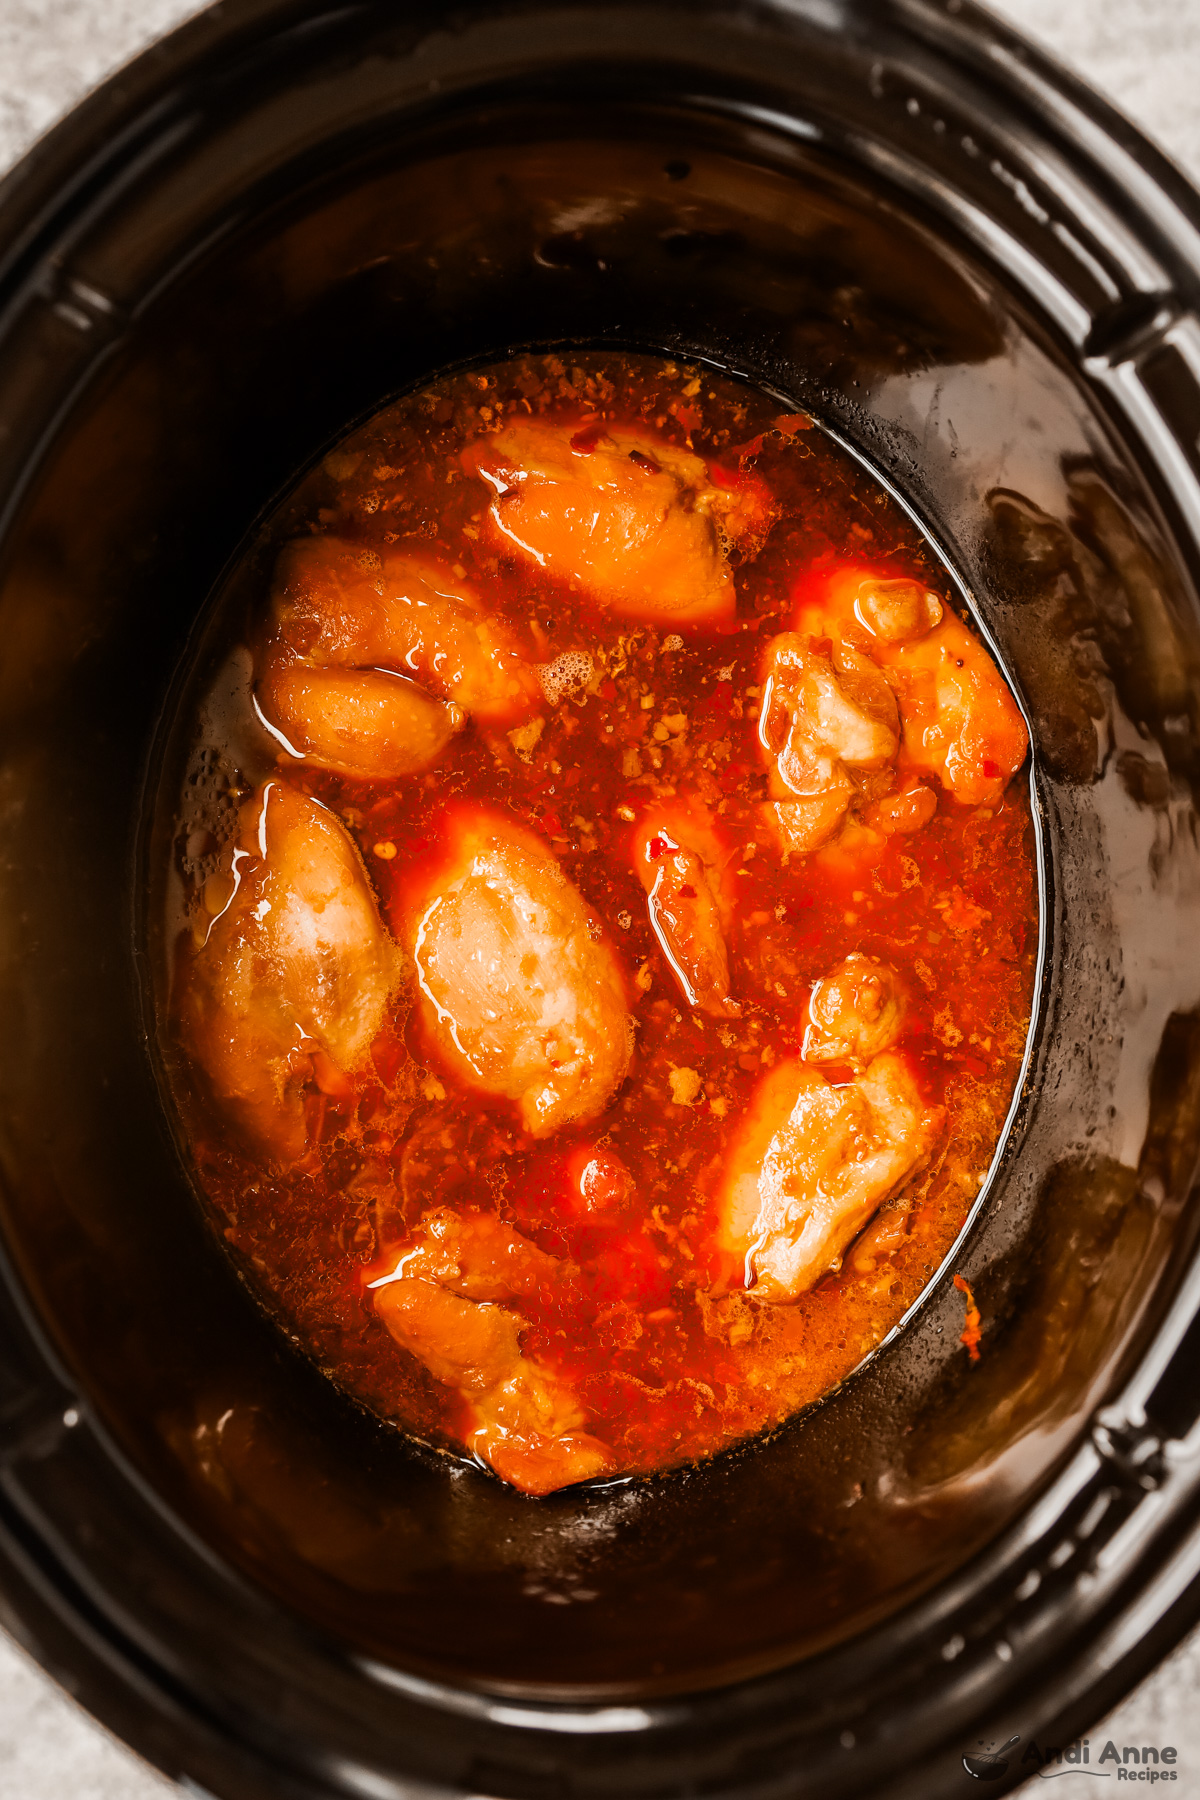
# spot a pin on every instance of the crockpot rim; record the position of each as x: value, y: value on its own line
x: 260, y: 13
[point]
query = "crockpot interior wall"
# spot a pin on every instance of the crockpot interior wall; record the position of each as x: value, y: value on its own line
x: 652, y: 227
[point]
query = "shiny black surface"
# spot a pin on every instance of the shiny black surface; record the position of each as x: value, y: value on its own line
x: 984, y: 282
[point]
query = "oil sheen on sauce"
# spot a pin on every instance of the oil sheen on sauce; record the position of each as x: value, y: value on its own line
x: 603, y: 916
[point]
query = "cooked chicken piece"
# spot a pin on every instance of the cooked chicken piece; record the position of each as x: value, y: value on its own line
x: 439, y: 1305
x: 824, y: 711
x: 523, y: 998
x: 681, y: 899
x: 476, y: 1255
x: 804, y: 825
x: 882, y: 1237
x: 291, y: 982
x: 897, y: 612
x: 907, y: 811
x: 854, y: 1013
x: 819, y: 707
x: 812, y: 1163
x: 634, y: 521
x: 373, y: 663
x: 958, y: 717
x: 887, y: 1084
x: 471, y: 1345
x: 357, y: 721
x: 529, y: 1431
x: 960, y: 721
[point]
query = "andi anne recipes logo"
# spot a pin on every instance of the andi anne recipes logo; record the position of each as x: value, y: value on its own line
x: 1049, y: 1762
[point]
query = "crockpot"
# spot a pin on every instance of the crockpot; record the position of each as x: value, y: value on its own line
x: 900, y: 217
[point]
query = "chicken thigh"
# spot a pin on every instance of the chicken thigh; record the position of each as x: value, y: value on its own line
x: 522, y: 996
x: 961, y: 723
x: 638, y: 523
x: 959, y: 720
x: 825, y: 710
x: 441, y: 1304
x: 812, y: 1163
x: 477, y: 1255
x: 290, y: 984
x: 373, y: 663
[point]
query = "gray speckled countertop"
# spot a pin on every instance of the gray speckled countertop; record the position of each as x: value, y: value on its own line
x: 1145, y: 54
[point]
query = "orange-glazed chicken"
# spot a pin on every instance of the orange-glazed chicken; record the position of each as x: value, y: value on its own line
x: 826, y: 711
x: 441, y: 1303
x: 523, y: 998
x: 854, y: 1012
x: 598, y: 994
x: 960, y: 722
x: 371, y: 663
x: 813, y: 1163
x: 285, y: 984
x: 637, y: 522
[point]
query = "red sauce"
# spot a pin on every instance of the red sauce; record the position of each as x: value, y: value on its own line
x: 647, y: 1318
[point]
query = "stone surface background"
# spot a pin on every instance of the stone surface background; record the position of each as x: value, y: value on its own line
x: 1145, y: 55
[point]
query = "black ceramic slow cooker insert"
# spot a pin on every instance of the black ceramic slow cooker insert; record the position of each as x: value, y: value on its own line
x: 984, y: 282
